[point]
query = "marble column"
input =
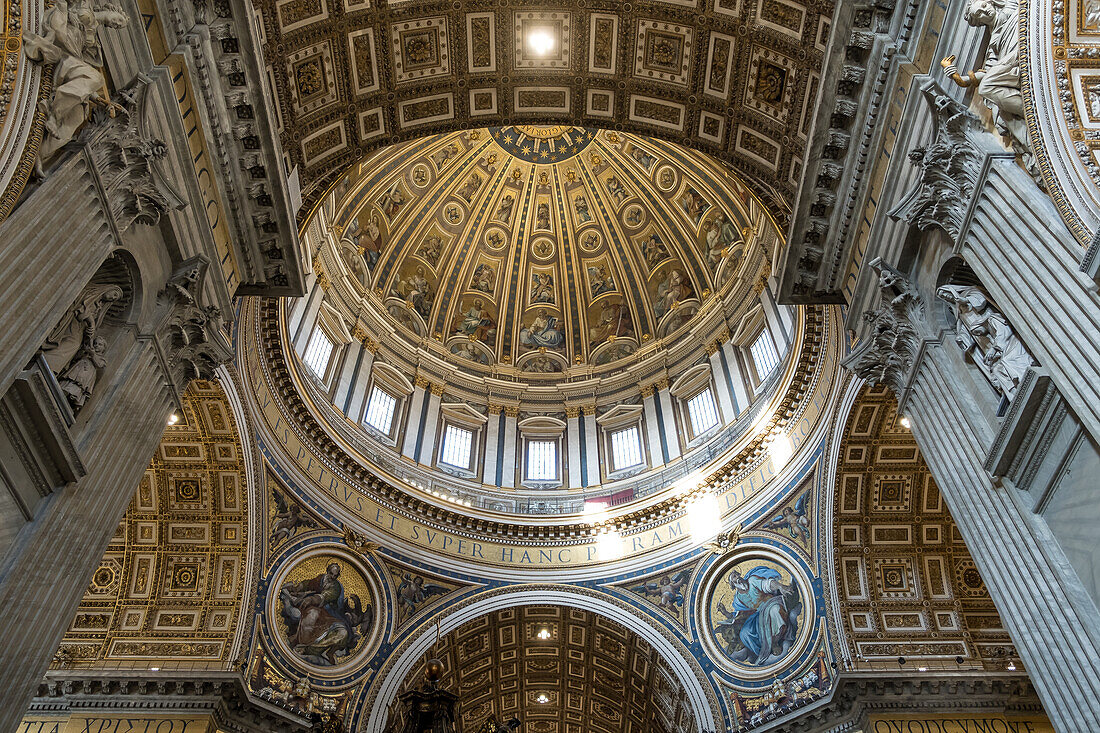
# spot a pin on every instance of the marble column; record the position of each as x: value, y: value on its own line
x: 413, y: 422
x: 1055, y: 627
x: 591, y: 447
x: 722, y: 383
x: 431, y: 424
x: 657, y: 448
x: 779, y: 330
x: 490, y: 474
x: 573, y: 447
x: 358, y: 392
x: 511, y: 448
x: 732, y: 361
x: 668, y: 422
x: 43, y: 579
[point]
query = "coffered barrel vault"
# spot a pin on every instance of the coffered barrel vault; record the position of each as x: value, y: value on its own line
x: 736, y: 78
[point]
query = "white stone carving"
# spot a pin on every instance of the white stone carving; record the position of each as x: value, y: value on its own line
x: 79, y: 326
x: 983, y: 331
x: 998, y: 81
x: 70, y: 42
x: 78, y: 380
x: 886, y: 354
x: 192, y: 339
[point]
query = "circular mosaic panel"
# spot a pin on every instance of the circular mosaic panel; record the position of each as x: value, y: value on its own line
x: 757, y: 612
x: 324, y: 611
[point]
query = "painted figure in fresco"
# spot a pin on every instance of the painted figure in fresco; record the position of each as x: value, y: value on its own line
x: 392, y: 200
x: 473, y: 183
x: 412, y: 591
x: 288, y: 520
x: 666, y: 590
x: 981, y: 327
x: 614, y: 321
x: 543, y: 332
x: 483, y: 278
x: 580, y: 203
x: 431, y: 248
x: 443, y: 156
x: 616, y: 189
x: 654, y: 250
x: 541, y: 365
x: 674, y: 289
x: 467, y: 350
x: 369, y: 239
x: 721, y: 235
x: 322, y: 624
x: 504, y: 211
x: 694, y: 205
x: 417, y: 290
x: 795, y: 520
x: 633, y: 217
x: 600, y: 281
x: 613, y: 353
x: 763, y: 623
x: 542, y: 287
x: 642, y: 158
x: 542, y: 216
x: 476, y: 323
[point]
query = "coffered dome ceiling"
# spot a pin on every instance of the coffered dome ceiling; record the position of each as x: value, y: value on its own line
x: 547, y: 247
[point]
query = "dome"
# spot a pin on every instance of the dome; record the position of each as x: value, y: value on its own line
x: 544, y: 252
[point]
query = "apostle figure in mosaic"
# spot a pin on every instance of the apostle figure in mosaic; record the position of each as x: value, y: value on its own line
x: 763, y: 622
x: 322, y: 625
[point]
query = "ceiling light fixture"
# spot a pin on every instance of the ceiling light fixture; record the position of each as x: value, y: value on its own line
x: 542, y: 698
x: 544, y: 633
x: 904, y: 422
x: 173, y: 419
x: 539, y: 42
x: 1011, y: 666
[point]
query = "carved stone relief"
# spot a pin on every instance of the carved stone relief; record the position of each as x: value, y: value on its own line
x: 193, y: 342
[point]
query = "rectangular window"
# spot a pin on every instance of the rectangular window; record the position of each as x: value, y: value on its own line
x: 542, y: 460
x: 380, y: 410
x: 457, y: 443
x: 626, y: 448
x: 703, y: 412
x: 317, y: 353
x: 764, y: 355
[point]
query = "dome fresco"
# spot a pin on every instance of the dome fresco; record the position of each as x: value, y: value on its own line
x: 544, y: 247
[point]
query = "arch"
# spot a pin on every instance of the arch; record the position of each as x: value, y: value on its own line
x: 702, y: 698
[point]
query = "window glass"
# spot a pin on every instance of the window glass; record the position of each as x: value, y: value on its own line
x: 318, y: 353
x: 380, y: 410
x: 764, y: 355
x: 457, y: 443
x: 626, y: 448
x: 542, y: 460
x: 703, y: 412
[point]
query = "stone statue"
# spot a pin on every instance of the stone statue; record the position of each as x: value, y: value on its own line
x: 981, y: 327
x: 80, y: 325
x: 71, y: 44
x: 492, y: 726
x: 78, y: 381
x: 998, y: 81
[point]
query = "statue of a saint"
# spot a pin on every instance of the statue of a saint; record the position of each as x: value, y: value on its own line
x: 80, y: 325
x: 1000, y: 352
x: 70, y: 42
x: 78, y: 381
x: 998, y: 81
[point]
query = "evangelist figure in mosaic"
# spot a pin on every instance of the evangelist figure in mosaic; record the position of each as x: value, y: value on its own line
x: 763, y: 623
x: 322, y: 624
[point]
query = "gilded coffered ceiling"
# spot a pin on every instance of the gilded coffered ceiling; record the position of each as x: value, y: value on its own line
x: 906, y: 582
x: 170, y: 587
x: 546, y: 247
x: 736, y: 78
x: 583, y: 674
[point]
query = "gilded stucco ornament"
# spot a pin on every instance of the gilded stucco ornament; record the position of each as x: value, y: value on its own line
x: 71, y: 44
x: 998, y: 81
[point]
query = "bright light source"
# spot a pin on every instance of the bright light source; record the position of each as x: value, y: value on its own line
x: 704, y: 517
x: 540, y: 42
x: 544, y: 633
x: 922, y: 669
x: 1011, y: 666
x: 595, y: 511
x: 780, y: 450
x: 154, y: 669
x: 173, y: 419
x: 609, y: 546
x: 904, y: 422
x: 542, y: 698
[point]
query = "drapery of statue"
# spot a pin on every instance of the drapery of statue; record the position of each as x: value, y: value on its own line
x: 74, y: 351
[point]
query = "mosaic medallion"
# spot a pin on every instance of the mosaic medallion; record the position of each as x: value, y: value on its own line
x: 758, y: 611
x: 323, y: 611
